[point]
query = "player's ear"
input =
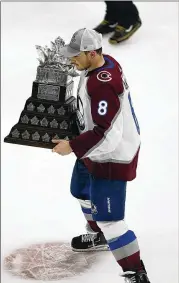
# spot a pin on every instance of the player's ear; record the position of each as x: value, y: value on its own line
x: 92, y: 54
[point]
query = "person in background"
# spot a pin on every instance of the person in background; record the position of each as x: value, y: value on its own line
x: 121, y: 18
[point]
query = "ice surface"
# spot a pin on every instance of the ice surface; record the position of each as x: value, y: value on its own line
x: 36, y: 203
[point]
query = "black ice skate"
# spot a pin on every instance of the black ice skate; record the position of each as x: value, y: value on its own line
x: 89, y: 242
x: 105, y: 27
x: 120, y: 34
x: 136, y: 276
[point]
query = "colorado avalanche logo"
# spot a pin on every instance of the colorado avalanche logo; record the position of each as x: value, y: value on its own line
x: 104, y: 76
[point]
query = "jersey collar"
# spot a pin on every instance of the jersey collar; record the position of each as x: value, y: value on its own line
x: 105, y: 65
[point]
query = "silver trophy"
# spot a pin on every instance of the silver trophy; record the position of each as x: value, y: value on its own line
x: 50, y: 112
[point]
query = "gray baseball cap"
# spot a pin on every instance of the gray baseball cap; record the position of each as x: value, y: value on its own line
x: 82, y: 40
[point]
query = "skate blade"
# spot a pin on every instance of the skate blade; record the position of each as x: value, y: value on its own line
x: 92, y: 249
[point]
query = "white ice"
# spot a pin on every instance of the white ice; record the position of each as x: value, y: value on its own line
x: 36, y: 201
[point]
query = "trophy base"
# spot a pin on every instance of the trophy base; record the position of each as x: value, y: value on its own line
x: 46, y: 145
x: 37, y: 128
x: 37, y: 136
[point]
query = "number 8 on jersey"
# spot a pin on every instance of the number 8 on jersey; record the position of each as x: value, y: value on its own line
x: 102, y: 107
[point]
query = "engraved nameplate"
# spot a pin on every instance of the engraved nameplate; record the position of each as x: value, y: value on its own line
x: 41, y: 108
x: 53, y: 75
x: 25, y: 135
x: 36, y: 136
x: 15, y: 134
x: 46, y: 138
x: 48, y: 92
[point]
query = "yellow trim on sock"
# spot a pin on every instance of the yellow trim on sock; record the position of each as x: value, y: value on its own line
x: 113, y: 41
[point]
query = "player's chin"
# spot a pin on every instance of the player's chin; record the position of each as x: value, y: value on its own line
x: 80, y: 68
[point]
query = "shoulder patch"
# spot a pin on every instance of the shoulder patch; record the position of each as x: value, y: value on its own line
x: 104, y: 76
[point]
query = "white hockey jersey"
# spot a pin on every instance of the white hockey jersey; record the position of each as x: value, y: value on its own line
x: 109, y: 139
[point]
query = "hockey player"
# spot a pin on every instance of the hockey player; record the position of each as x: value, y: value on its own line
x: 122, y: 19
x: 107, y: 153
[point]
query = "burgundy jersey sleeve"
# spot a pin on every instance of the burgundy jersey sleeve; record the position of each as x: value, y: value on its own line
x: 105, y: 108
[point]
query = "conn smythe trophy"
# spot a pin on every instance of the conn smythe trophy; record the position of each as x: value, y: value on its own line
x: 50, y: 111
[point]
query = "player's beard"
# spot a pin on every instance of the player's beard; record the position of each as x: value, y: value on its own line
x: 80, y: 68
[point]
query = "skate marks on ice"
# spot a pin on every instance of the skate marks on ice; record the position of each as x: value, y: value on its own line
x: 49, y: 261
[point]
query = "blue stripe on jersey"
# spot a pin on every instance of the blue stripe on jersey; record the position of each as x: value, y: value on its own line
x: 86, y: 210
x: 110, y: 66
x: 122, y: 241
